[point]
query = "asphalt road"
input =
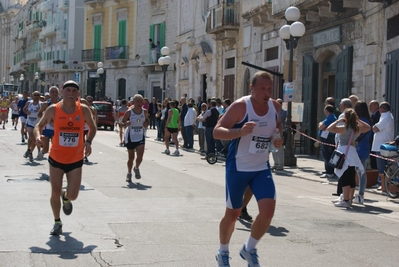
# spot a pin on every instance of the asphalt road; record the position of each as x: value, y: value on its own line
x: 171, y: 216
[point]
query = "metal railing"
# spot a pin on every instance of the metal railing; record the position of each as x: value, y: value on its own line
x: 225, y: 14
x: 33, y: 56
x: 92, y: 55
x: 116, y: 52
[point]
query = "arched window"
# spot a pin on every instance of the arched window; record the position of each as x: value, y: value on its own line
x: 121, y: 89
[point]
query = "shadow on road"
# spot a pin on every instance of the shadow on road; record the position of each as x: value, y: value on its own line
x: 67, y: 249
x: 273, y: 230
x: 137, y: 186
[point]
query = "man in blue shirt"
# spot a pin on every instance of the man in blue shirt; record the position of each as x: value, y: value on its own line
x: 329, y: 138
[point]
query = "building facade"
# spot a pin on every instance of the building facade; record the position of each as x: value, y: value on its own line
x: 349, y: 47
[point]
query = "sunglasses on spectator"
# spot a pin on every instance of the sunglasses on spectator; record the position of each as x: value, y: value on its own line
x: 36, y: 95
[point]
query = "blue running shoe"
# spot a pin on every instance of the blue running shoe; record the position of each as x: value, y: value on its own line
x: 222, y: 257
x: 250, y: 256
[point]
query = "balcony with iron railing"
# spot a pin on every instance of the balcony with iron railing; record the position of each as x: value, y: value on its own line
x: 48, y: 31
x: 34, y: 27
x: 223, y: 17
x: 117, y: 53
x: 33, y: 56
x: 94, y: 3
x: 92, y: 55
x: 63, y: 4
x: 46, y: 65
x: 61, y: 36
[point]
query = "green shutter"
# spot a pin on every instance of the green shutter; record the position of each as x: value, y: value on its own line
x: 122, y: 33
x: 162, y: 34
x: 97, y: 42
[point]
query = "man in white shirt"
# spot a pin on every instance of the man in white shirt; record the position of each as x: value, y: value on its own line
x: 383, y: 133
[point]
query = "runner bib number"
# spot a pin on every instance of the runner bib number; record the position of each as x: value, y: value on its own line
x: 137, y: 130
x: 259, y: 145
x: 69, y: 139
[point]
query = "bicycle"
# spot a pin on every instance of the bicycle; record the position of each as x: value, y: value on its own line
x: 212, y: 158
x: 391, y: 174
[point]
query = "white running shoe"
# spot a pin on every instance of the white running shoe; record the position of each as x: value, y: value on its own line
x: 176, y: 153
x: 341, y: 198
x: 359, y: 199
x: 342, y: 203
x: 40, y: 155
x: 167, y: 152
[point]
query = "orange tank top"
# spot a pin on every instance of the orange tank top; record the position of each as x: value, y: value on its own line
x: 68, y: 141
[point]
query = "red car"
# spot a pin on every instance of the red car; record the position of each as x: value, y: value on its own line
x: 105, y: 114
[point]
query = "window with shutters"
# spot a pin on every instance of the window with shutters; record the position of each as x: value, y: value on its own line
x: 97, y: 42
x: 157, y: 34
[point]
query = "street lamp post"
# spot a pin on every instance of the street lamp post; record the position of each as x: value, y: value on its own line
x: 100, y: 72
x: 164, y: 61
x: 36, y: 80
x: 21, y: 78
x: 291, y: 34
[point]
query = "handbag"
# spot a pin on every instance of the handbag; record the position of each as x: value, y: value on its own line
x: 337, y: 158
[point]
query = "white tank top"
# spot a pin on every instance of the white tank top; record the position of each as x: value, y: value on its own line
x: 251, y: 152
x: 34, y: 110
x: 135, y: 130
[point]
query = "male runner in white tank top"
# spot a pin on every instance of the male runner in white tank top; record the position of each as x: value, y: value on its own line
x: 249, y: 123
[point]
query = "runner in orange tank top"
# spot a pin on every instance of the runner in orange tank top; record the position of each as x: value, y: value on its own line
x: 68, y: 148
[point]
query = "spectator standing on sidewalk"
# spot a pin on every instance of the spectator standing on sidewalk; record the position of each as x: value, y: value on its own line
x: 189, y: 125
x: 211, y: 117
x: 362, y: 148
x: 348, y: 125
x: 249, y: 123
x: 327, y: 138
x: 152, y: 111
x: 344, y: 104
x: 375, y: 118
x: 201, y: 128
x: 278, y: 156
x: 158, y: 122
x: 183, y: 113
x: 331, y: 101
x: 383, y: 133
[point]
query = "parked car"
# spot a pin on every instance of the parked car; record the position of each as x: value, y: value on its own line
x: 105, y: 114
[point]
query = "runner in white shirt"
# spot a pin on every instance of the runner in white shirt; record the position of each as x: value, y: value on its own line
x: 32, y: 108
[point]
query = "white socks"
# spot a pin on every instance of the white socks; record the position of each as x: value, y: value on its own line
x: 251, y: 243
x: 224, y: 247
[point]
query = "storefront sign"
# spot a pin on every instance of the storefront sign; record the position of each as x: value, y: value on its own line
x: 296, y: 111
x: 288, y: 92
x: 326, y: 37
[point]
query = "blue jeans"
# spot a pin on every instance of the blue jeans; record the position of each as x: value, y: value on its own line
x: 189, y: 136
x: 210, y: 141
x: 362, y: 178
x: 159, y: 130
x: 327, y: 152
